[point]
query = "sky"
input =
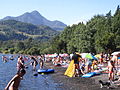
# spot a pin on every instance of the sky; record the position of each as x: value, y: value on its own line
x: 67, y: 11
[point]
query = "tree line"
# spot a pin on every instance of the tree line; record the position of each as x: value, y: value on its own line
x: 100, y: 34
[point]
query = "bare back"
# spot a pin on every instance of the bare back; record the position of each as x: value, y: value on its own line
x: 15, y: 83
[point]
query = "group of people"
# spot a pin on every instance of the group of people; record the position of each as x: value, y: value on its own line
x: 21, y: 70
x: 59, y: 60
x: 82, y: 66
x: 85, y: 65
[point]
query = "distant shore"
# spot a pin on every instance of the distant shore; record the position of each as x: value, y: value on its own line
x: 76, y: 83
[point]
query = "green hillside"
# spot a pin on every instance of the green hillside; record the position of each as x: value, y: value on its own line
x: 11, y: 29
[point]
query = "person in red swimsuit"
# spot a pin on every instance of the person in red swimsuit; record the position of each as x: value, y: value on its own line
x: 111, y: 68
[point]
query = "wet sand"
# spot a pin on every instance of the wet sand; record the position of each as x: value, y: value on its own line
x: 77, y: 83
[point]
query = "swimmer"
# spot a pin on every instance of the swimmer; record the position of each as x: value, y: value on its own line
x: 15, y: 81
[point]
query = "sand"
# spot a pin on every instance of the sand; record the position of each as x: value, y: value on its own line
x: 77, y: 83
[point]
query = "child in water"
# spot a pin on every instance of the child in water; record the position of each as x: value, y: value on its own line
x: 15, y: 81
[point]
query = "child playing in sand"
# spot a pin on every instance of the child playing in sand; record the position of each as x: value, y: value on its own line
x: 94, y: 65
x: 82, y: 66
x: 15, y: 81
x: 111, y: 70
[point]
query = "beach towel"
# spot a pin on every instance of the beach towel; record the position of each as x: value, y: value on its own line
x: 70, y: 70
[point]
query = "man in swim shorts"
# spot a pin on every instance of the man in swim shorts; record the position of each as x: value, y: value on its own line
x: 76, y: 57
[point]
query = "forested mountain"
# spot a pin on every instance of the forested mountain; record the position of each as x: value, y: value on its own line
x: 37, y: 19
x: 11, y: 29
x: 100, y: 34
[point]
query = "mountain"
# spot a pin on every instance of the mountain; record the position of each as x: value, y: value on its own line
x: 16, y: 30
x: 37, y: 19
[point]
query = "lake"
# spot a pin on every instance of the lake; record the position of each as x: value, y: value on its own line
x: 29, y: 82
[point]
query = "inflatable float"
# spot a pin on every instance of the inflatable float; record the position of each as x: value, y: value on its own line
x: 70, y: 70
x: 91, y: 74
x: 46, y: 71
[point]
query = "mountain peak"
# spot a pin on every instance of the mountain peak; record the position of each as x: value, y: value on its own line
x: 36, y: 18
x: 35, y: 12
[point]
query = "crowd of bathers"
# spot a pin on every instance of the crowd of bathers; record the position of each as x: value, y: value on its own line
x: 87, y: 62
x: 22, y: 63
x: 83, y: 63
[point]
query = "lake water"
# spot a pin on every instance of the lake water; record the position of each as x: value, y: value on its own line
x: 29, y: 82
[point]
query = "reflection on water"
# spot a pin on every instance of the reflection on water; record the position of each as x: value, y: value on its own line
x: 29, y: 82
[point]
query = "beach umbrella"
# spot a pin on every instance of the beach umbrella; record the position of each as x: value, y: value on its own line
x: 63, y: 55
x: 116, y: 53
x: 90, y: 56
x: 83, y: 55
x: 98, y: 56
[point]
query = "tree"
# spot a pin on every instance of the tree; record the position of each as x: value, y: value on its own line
x: 11, y: 50
x: 33, y: 51
x: 117, y: 10
x: 20, y: 46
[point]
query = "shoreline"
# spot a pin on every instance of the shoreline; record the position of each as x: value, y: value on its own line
x: 76, y: 83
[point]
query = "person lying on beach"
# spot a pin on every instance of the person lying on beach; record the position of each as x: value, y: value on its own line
x: 15, y: 81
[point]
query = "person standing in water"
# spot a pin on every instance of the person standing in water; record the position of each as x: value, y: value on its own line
x: 41, y: 62
x: 4, y: 59
x: 15, y: 81
x: 20, y: 63
x: 34, y: 63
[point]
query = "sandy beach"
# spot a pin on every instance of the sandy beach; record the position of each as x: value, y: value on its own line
x: 77, y: 83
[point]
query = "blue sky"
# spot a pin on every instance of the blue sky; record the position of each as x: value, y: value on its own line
x: 67, y: 11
